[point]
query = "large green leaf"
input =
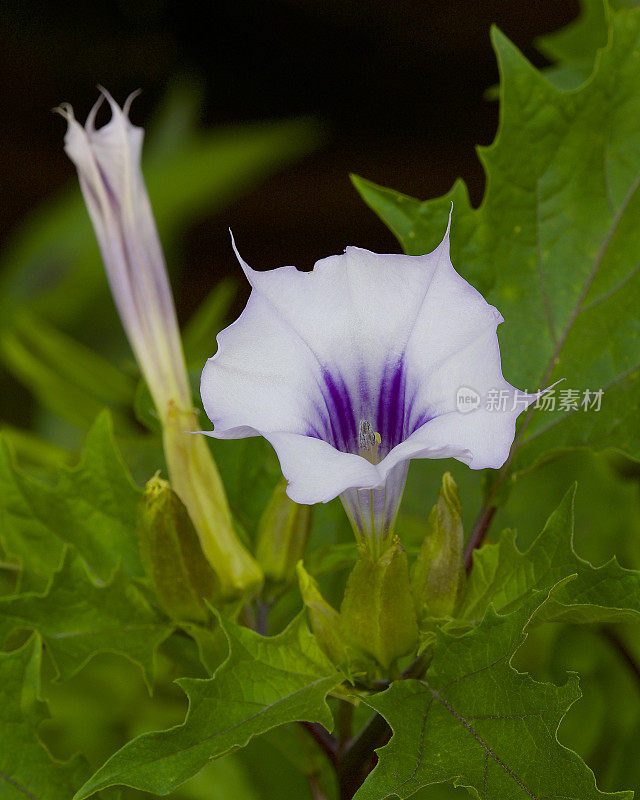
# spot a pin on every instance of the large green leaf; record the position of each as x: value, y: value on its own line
x: 93, y: 507
x: 555, y: 243
x: 264, y: 682
x: 78, y: 619
x: 478, y: 723
x: 27, y: 769
x: 504, y: 576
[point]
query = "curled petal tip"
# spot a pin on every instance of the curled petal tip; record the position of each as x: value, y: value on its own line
x: 91, y: 119
x: 127, y: 103
x: 65, y: 110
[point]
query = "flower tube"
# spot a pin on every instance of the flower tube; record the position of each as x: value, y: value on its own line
x: 355, y: 368
x: 108, y: 164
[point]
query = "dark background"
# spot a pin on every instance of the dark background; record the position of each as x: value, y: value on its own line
x: 399, y: 85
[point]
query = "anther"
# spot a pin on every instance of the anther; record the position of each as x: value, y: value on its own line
x: 368, y: 440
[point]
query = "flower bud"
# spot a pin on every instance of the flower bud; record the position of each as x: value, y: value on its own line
x: 282, y: 538
x: 377, y: 612
x: 325, y: 620
x: 438, y: 574
x: 171, y: 554
x: 108, y: 164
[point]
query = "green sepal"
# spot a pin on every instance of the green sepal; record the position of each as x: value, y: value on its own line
x: 282, y: 536
x: 171, y: 554
x: 377, y: 613
x: 438, y: 575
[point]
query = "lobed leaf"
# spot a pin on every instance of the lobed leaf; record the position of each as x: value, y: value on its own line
x: 78, y: 618
x: 93, y: 507
x: 505, y: 577
x: 27, y: 769
x: 477, y: 723
x: 265, y: 682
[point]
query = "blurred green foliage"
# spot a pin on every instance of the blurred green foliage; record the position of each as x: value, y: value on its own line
x: 68, y: 519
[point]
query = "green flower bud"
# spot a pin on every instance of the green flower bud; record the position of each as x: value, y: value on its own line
x: 377, y: 612
x: 325, y: 620
x: 282, y: 538
x: 171, y: 554
x: 438, y: 574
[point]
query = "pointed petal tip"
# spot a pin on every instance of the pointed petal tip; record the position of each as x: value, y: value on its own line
x: 445, y: 238
x: 117, y: 113
x: 248, y: 271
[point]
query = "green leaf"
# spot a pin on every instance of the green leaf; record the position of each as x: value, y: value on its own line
x: 35, y: 453
x: 67, y: 377
x: 93, y: 507
x: 505, y: 577
x: 574, y: 47
x: 554, y: 244
x: 478, y: 723
x: 250, y: 472
x: 78, y: 619
x: 265, y: 682
x: 27, y: 769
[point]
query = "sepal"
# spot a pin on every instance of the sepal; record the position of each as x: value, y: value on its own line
x: 377, y: 612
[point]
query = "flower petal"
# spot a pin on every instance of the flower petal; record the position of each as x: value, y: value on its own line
x: 261, y: 376
x: 316, y: 471
x: 480, y: 438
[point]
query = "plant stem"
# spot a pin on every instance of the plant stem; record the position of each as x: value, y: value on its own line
x: 480, y: 530
x: 327, y: 743
x: 316, y: 791
x: 358, y: 755
x: 262, y: 617
x: 612, y: 636
x: 343, y: 724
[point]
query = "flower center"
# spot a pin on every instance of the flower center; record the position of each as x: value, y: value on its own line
x: 368, y: 442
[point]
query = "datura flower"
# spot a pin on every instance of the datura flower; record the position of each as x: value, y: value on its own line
x: 355, y: 368
x: 108, y: 164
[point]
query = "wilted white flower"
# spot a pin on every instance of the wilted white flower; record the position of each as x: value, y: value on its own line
x: 353, y: 369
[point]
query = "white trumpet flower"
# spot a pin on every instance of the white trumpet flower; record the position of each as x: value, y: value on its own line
x: 355, y: 368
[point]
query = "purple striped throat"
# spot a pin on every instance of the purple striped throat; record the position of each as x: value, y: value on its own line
x: 369, y: 418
